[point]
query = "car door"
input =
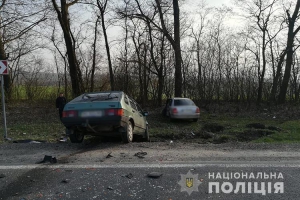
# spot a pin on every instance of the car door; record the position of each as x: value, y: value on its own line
x: 136, y: 116
x: 142, y: 118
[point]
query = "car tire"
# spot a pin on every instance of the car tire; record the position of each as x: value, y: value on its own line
x: 195, y: 120
x: 75, y: 136
x: 127, y: 136
x: 146, y: 134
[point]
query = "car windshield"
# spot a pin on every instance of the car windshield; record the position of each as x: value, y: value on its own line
x: 183, y: 102
x: 98, y: 97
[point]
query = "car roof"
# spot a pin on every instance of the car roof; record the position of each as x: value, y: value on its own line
x: 104, y: 92
x: 181, y: 98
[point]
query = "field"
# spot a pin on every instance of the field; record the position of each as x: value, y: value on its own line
x: 39, y: 121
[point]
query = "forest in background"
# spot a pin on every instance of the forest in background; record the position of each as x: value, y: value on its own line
x: 152, y: 49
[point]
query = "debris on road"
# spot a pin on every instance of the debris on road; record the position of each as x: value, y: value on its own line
x: 2, y: 176
x: 154, y: 175
x: 129, y: 176
x: 65, y: 181
x: 63, y: 139
x: 29, y: 141
x: 49, y: 159
x: 140, y: 154
x: 110, y: 188
x: 109, y: 155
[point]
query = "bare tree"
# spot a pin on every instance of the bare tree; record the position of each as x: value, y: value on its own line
x: 175, y: 43
x: 94, y: 55
x: 291, y: 20
x: 102, y: 6
x: 18, y: 17
x: 262, y: 13
x: 74, y: 68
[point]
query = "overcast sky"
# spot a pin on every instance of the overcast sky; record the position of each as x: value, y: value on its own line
x: 209, y: 2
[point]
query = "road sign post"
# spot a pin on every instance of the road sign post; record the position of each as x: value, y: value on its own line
x: 3, y: 71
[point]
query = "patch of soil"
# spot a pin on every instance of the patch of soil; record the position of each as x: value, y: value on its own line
x: 256, y: 126
x: 249, y: 135
x: 31, y: 112
x: 213, y: 127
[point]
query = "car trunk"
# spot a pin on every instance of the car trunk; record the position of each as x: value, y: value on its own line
x: 92, y: 111
x: 185, y: 110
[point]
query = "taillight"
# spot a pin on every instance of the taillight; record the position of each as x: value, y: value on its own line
x: 174, y: 110
x: 198, y: 110
x: 69, y: 113
x: 114, y: 112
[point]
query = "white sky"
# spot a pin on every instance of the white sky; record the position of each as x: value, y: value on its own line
x: 216, y: 3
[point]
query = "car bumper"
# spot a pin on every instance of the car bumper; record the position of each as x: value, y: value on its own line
x: 95, y: 125
x: 185, y: 116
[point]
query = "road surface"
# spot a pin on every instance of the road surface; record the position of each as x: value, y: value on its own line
x: 149, y: 171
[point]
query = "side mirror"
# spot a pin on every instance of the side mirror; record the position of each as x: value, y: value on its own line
x: 145, y: 113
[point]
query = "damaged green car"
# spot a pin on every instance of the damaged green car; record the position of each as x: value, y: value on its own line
x: 111, y: 113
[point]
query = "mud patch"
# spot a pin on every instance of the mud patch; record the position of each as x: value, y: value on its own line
x: 213, y: 127
x: 249, y: 135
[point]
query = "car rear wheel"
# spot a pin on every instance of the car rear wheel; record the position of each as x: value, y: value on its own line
x: 127, y: 136
x: 146, y: 134
x: 75, y: 136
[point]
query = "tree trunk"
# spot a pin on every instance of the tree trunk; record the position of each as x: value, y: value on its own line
x: 74, y: 69
x: 102, y: 8
x: 290, y: 52
x: 263, y: 71
x: 94, y: 56
x: 177, y: 48
x: 277, y: 76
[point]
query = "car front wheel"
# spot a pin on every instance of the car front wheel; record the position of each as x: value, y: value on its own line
x: 127, y: 136
x: 75, y: 136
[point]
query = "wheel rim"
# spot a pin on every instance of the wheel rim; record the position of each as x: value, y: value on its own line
x: 129, y: 132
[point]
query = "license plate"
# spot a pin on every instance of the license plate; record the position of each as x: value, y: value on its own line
x: 97, y: 113
x: 187, y: 111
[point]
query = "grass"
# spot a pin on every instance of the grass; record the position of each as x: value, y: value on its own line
x: 234, y: 129
x: 291, y: 133
x: 40, y: 122
x: 40, y: 131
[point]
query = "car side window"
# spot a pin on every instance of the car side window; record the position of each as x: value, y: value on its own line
x: 132, y: 104
x: 126, y: 99
x: 139, y: 108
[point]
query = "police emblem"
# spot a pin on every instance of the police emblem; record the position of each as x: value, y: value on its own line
x: 189, y: 182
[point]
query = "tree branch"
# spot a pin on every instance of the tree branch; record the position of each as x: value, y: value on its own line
x: 3, y: 3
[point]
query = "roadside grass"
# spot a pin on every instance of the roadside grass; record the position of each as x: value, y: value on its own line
x: 39, y: 131
x: 40, y: 122
x: 234, y: 129
x: 290, y: 133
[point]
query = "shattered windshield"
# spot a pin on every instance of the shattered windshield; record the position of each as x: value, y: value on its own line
x: 98, y: 97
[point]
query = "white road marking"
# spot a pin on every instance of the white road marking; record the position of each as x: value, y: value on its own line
x: 103, y: 166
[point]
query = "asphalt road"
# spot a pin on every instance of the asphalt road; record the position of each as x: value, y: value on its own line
x: 116, y: 171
